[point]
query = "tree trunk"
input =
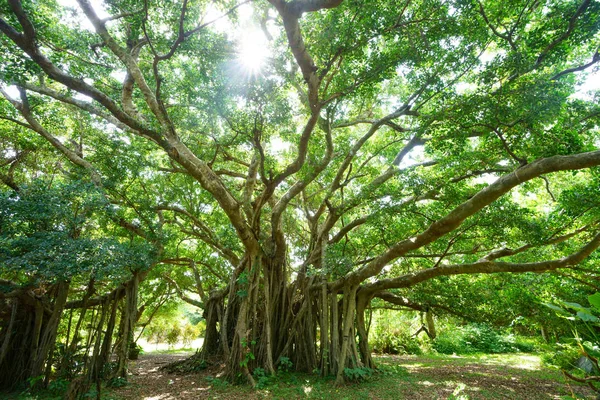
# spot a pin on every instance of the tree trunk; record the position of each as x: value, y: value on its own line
x: 212, y: 315
x: 268, y: 330
x: 264, y: 326
x: 128, y: 318
x: 363, y: 337
x: 324, y: 334
x: 347, y: 323
x: 29, y: 336
x: 430, y: 324
x: 335, y: 334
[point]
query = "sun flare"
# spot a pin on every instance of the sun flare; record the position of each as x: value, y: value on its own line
x: 253, y: 52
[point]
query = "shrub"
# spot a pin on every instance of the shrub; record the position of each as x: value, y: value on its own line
x: 156, y: 332
x: 564, y: 357
x: 520, y: 343
x: 189, y: 334
x: 262, y: 380
x: 117, y: 382
x: 285, y: 364
x: 58, y: 386
x: 395, y: 341
x: 450, y: 343
x: 358, y: 374
x: 173, y: 335
x: 483, y: 338
x: 475, y: 338
x: 582, y: 353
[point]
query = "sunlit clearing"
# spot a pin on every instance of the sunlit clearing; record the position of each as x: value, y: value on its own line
x: 253, y: 52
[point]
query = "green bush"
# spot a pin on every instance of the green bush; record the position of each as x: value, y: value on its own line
x: 285, y: 364
x: 563, y: 357
x: 520, y: 344
x: 586, y: 342
x: 58, y: 386
x: 395, y: 341
x: 450, y: 343
x: 358, y: 374
x: 174, y: 335
x: 479, y: 338
x: 189, y: 334
x: 261, y: 378
x: 157, y: 331
x: 484, y: 339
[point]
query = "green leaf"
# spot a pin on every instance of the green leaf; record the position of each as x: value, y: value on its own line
x: 595, y: 301
x: 591, y: 349
x: 556, y: 308
x: 587, y: 317
x: 573, y: 306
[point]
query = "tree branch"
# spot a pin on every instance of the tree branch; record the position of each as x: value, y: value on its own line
x: 484, y: 266
x: 470, y: 207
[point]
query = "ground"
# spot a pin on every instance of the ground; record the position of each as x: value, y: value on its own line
x: 516, y: 376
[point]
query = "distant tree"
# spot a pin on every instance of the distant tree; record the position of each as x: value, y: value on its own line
x: 173, y: 335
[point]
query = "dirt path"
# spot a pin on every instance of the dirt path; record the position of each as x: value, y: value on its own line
x: 148, y: 382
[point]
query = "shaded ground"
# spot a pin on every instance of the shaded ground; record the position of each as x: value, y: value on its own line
x: 148, y: 382
x: 485, y: 377
x: 404, y: 377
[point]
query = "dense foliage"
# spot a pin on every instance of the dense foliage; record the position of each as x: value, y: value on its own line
x: 286, y: 165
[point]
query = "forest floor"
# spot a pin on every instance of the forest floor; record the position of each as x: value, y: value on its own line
x: 506, y: 376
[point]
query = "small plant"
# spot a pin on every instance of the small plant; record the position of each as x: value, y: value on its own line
x: 58, y: 386
x: 587, y: 368
x: 249, y: 354
x: 285, y: 364
x: 392, y: 370
x: 117, y: 382
x: 358, y: 374
x: 91, y: 394
x: 217, y: 383
x: 34, y: 380
x: 262, y: 380
x: 33, y: 383
x: 562, y: 357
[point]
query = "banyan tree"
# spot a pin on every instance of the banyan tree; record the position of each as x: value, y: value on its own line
x: 281, y: 164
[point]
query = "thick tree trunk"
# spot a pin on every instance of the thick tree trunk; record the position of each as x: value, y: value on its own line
x: 363, y: 337
x: 241, y: 353
x: 324, y: 334
x: 212, y: 315
x: 268, y: 330
x: 29, y: 336
x: 335, y: 334
x: 347, y: 323
x: 44, y: 360
x: 263, y: 322
x: 128, y: 319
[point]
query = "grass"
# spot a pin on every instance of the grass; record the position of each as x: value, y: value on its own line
x: 184, y: 350
x: 476, y: 376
